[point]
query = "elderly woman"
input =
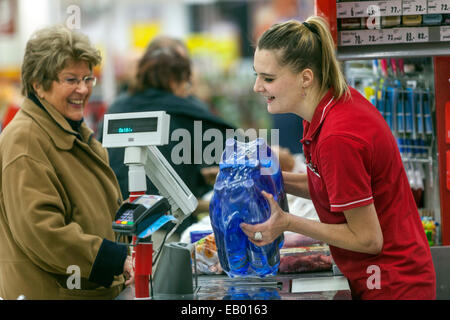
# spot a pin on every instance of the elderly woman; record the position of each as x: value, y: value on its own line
x: 58, y: 195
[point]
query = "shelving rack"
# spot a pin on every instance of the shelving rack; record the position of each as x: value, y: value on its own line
x: 376, y: 41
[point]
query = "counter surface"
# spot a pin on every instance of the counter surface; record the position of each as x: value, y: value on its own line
x: 279, y: 287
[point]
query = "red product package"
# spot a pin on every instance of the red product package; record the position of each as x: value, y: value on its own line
x: 305, y: 259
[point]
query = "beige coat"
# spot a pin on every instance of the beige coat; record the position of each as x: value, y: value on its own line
x: 58, y: 197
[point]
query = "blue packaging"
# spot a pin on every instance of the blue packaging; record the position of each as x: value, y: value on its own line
x: 432, y: 19
x: 197, y: 235
x: 245, y: 170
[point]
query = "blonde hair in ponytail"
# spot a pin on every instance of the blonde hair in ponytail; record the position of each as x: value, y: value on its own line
x: 331, y: 70
x: 307, y: 45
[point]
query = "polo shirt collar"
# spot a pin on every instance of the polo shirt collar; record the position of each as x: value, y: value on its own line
x: 322, y: 110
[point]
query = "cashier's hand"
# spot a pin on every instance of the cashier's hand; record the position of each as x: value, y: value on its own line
x: 272, y: 228
x: 128, y: 271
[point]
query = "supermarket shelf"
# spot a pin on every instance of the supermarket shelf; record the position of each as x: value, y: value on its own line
x: 401, y: 50
x: 359, y: 9
x: 409, y: 35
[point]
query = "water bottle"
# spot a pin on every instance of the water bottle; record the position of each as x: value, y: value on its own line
x: 217, y: 225
x: 245, y: 170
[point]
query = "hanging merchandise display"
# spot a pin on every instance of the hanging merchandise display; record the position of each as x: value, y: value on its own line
x: 246, y: 169
x: 404, y: 99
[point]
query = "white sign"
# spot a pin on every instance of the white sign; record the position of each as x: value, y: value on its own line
x: 438, y: 6
x: 393, y: 8
x: 415, y: 35
x: 445, y: 33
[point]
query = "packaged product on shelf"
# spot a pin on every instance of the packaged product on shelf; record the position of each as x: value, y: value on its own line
x: 350, y: 23
x: 446, y: 19
x: 412, y: 21
x: 432, y: 19
x: 390, y: 21
x: 429, y: 225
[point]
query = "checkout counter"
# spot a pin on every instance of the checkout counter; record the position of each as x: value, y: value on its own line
x: 322, y: 285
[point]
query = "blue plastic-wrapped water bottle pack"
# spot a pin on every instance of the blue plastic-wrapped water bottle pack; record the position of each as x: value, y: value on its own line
x: 246, y: 168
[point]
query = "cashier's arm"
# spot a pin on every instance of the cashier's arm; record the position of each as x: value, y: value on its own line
x: 362, y: 232
x: 296, y: 184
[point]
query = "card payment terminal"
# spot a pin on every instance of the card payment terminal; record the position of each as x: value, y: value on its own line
x: 133, y: 218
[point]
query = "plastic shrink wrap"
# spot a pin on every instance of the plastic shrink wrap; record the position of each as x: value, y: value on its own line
x: 245, y: 170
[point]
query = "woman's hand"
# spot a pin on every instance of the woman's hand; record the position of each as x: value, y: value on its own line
x: 272, y: 228
x: 128, y: 271
x: 296, y: 184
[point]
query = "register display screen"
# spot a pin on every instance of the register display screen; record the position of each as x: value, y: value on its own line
x: 117, y: 126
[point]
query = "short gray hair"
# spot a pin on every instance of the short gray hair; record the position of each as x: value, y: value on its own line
x: 47, y: 52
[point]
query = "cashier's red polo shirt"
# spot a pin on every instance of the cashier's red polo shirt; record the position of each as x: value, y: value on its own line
x: 353, y: 160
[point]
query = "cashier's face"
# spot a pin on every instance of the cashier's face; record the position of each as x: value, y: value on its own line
x: 70, y: 93
x: 278, y: 85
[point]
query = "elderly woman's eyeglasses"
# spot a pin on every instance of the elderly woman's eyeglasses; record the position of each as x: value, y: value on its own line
x: 89, y: 81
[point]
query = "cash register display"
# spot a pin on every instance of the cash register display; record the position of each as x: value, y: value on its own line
x: 133, y: 125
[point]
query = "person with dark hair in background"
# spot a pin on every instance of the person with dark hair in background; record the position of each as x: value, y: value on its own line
x: 355, y: 176
x: 58, y: 195
x: 162, y: 83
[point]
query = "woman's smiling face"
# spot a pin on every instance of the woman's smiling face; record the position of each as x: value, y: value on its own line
x: 277, y: 84
x: 70, y: 99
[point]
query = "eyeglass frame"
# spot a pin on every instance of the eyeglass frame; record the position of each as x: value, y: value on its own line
x: 77, y: 81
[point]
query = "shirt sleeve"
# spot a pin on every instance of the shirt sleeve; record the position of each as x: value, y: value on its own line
x: 345, y: 167
x: 42, y: 228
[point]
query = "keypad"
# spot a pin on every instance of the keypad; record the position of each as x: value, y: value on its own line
x: 126, y: 218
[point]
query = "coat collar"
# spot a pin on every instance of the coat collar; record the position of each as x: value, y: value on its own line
x: 54, y: 124
x: 321, y: 112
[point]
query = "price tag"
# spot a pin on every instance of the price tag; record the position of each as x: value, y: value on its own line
x: 359, y: 10
x: 371, y: 37
x: 362, y: 37
x: 352, y: 38
x: 343, y: 9
x: 438, y: 6
x: 414, y: 7
x: 415, y: 35
x: 445, y: 33
x: 393, y: 8
x: 352, y: 9
x: 394, y: 35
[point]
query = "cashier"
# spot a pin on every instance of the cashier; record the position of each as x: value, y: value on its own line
x: 58, y: 195
x: 355, y: 174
